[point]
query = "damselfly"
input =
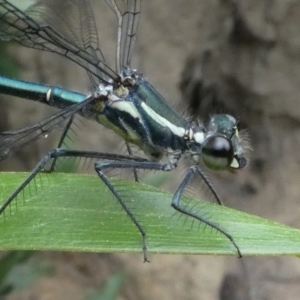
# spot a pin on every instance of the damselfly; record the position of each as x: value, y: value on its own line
x: 122, y: 100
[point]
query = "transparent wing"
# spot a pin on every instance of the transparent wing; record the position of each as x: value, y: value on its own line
x: 128, y: 15
x: 13, y: 141
x: 64, y: 27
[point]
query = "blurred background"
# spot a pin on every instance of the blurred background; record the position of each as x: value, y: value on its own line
x: 206, y: 57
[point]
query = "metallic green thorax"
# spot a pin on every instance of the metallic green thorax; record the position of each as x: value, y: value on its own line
x: 142, y: 117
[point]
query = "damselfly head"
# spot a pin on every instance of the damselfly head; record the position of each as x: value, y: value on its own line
x: 224, y: 148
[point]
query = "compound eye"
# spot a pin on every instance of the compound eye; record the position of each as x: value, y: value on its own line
x: 217, y: 153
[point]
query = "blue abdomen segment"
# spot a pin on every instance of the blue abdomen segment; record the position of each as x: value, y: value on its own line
x: 53, y: 96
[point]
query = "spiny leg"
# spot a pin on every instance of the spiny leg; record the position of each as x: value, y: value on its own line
x: 56, y: 153
x: 130, y: 153
x: 31, y: 177
x: 147, y: 165
x: 60, y: 143
x: 40, y: 166
x: 176, y: 203
x: 176, y: 199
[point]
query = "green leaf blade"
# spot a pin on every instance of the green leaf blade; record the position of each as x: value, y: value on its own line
x: 75, y: 212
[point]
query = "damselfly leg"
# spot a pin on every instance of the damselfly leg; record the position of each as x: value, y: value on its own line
x: 176, y: 201
x: 127, y: 162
